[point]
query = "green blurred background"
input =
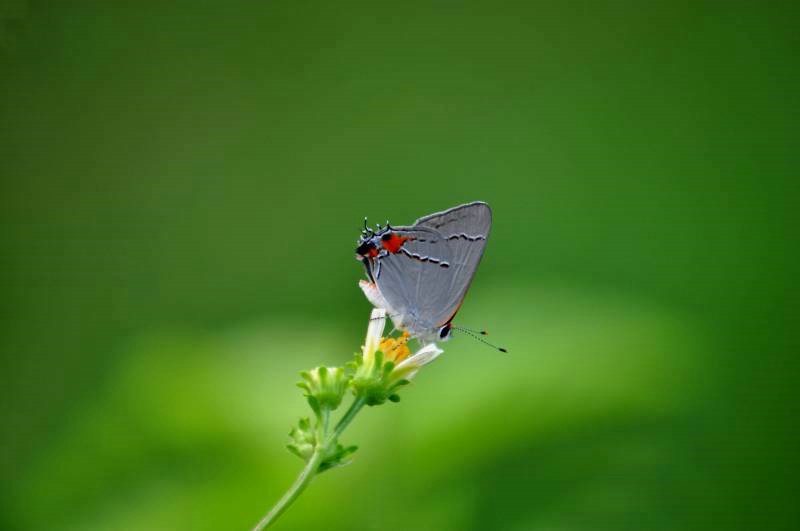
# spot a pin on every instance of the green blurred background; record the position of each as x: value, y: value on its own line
x: 182, y: 186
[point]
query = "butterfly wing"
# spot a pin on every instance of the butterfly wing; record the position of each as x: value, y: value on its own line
x: 415, y: 280
x: 465, y: 229
x: 470, y: 219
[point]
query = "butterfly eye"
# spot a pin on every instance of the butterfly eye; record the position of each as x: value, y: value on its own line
x: 444, y: 332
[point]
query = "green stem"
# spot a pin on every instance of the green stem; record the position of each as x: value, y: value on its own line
x: 310, y: 470
x: 352, y: 411
x: 326, y: 419
x: 294, y: 491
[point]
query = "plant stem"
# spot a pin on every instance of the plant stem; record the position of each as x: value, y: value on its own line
x: 352, y: 411
x: 323, y: 427
x: 294, y: 491
x: 310, y: 470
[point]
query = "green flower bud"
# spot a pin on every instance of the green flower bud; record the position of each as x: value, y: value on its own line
x: 324, y: 387
x: 303, y: 440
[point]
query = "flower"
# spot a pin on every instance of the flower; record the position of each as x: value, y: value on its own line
x: 324, y: 387
x: 386, y: 364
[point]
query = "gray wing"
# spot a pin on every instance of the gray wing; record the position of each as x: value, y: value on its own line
x: 415, y: 281
x: 466, y: 229
x: 471, y: 219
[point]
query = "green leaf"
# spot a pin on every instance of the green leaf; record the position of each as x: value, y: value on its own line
x: 339, y: 457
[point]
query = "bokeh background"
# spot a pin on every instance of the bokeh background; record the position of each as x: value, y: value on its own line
x: 182, y: 186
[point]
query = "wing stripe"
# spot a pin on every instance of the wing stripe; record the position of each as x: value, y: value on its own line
x: 467, y: 237
x: 421, y: 258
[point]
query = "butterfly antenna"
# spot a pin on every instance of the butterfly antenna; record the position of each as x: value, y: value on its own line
x: 479, y: 332
x: 367, y: 231
x: 475, y: 335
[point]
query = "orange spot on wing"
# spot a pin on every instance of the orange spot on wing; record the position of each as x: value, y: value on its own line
x: 394, y: 243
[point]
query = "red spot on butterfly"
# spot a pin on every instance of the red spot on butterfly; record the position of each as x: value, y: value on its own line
x: 393, y: 242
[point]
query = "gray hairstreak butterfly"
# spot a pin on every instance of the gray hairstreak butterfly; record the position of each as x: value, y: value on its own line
x: 420, y: 274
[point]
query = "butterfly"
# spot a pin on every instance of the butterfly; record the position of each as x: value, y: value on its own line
x: 420, y: 273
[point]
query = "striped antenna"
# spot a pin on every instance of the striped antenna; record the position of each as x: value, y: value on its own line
x: 474, y: 335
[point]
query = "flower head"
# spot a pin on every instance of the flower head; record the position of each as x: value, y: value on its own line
x: 386, y: 364
x: 324, y: 387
